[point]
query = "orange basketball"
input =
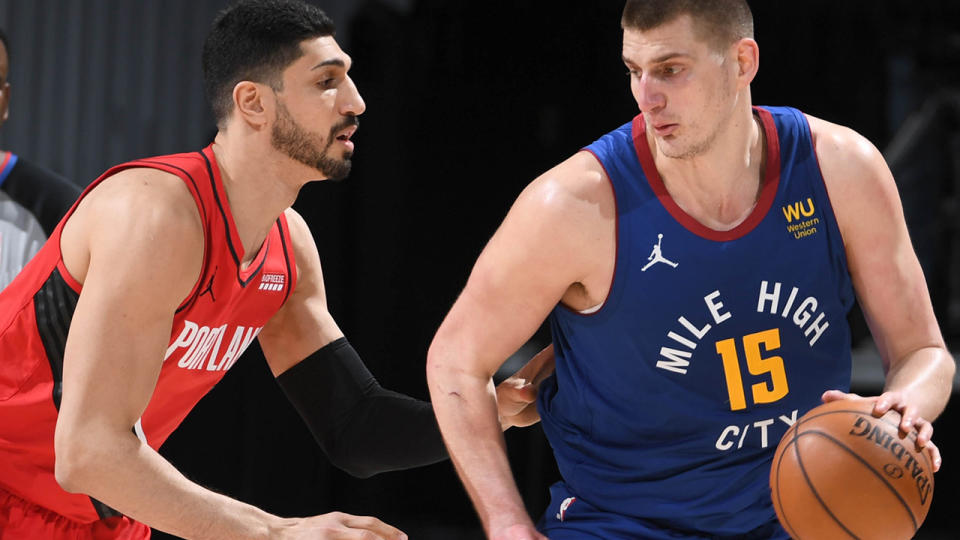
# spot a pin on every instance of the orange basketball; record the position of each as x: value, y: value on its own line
x: 841, y: 473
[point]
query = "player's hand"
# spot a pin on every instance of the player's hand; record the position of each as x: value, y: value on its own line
x: 909, y: 417
x: 516, y: 403
x: 338, y: 526
x: 517, y: 532
x: 517, y: 394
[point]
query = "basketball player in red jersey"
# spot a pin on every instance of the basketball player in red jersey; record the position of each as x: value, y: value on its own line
x: 158, y: 279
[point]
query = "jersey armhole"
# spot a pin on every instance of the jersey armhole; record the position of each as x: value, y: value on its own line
x: 612, y: 291
x: 288, y: 255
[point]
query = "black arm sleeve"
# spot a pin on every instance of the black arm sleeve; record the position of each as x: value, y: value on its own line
x: 363, y: 428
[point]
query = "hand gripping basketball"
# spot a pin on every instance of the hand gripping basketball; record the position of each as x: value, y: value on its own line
x: 842, y: 472
x: 908, y: 417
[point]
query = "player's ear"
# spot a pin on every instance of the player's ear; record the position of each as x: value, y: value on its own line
x: 252, y: 102
x: 748, y: 61
x: 4, y: 102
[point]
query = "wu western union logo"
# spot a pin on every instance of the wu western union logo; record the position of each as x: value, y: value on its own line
x: 796, y: 212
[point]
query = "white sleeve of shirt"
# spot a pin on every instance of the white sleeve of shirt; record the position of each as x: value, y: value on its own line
x: 21, y: 237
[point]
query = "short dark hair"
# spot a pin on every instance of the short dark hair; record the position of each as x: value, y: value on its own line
x: 718, y: 22
x: 255, y: 40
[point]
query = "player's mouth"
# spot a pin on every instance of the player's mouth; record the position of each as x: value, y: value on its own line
x: 344, y: 137
x: 662, y: 130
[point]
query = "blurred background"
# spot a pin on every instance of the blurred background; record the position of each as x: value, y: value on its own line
x: 466, y: 103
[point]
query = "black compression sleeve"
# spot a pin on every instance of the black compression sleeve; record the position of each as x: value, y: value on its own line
x: 363, y: 428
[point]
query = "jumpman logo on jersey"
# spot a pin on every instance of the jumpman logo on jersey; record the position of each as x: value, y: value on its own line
x: 656, y: 256
x: 209, y: 288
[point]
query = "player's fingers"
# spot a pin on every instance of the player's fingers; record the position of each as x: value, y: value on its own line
x: 519, y: 391
x: 887, y: 401
x: 526, y: 393
x: 935, y: 454
x: 375, y: 526
x: 836, y: 395
x: 908, y: 418
x: 349, y: 533
x: 924, y: 432
x: 528, y: 416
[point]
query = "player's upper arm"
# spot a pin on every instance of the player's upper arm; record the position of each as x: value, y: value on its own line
x: 885, y: 270
x: 303, y: 324
x: 548, y: 243
x: 136, y: 244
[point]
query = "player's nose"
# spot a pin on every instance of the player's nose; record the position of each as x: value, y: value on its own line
x: 352, y: 103
x: 648, y: 94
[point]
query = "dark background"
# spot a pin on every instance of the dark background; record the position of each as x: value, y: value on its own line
x: 467, y: 102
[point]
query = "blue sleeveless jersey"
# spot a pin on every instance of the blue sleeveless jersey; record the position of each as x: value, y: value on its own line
x: 667, y: 404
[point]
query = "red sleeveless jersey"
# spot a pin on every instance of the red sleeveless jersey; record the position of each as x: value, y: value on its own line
x: 220, y: 318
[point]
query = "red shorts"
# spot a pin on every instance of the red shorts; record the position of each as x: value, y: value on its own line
x: 23, y: 520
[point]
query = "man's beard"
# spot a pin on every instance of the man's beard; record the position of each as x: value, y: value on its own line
x: 303, y: 146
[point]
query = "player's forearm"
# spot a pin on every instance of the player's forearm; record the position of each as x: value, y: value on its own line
x: 363, y: 428
x: 926, y: 377
x: 132, y: 478
x: 466, y: 410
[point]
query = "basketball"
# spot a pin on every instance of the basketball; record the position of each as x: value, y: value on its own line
x: 839, y: 472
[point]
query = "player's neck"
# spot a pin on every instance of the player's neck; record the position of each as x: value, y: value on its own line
x: 720, y: 186
x: 258, y: 188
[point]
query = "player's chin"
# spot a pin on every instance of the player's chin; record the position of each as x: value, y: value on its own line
x: 336, y: 170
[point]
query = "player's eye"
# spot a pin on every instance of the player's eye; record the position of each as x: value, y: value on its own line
x: 669, y: 71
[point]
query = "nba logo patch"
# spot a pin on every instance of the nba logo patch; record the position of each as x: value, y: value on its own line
x: 564, y: 506
x: 272, y: 282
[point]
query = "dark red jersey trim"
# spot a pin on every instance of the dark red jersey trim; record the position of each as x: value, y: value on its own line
x: 230, y: 230
x: 616, y: 243
x: 286, y: 259
x: 223, y: 214
x: 768, y: 192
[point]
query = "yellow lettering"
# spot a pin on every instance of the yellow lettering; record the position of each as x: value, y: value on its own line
x: 777, y: 388
x: 791, y: 212
x: 763, y: 392
x: 727, y: 349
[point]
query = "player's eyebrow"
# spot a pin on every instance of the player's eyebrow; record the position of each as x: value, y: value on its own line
x: 330, y: 62
x: 669, y: 56
x: 660, y: 59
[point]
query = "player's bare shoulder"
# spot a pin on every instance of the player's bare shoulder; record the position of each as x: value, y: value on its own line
x: 305, y: 254
x: 568, y: 215
x: 856, y: 175
x: 574, y: 196
x: 300, y: 233
x: 138, y: 208
x: 578, y: 180
x: 143, y: 196
x: 845, y: 156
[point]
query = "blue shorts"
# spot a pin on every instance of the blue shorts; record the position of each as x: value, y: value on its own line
x: 570, y: 518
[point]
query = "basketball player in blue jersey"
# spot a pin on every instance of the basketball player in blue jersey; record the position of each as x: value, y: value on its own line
x: 697, y: 266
